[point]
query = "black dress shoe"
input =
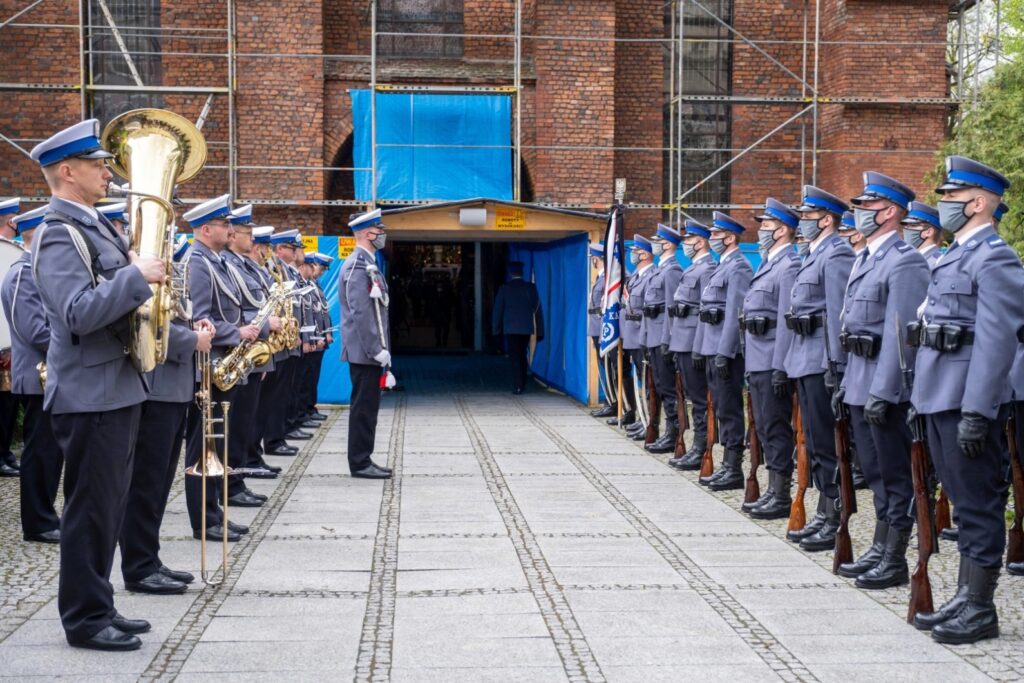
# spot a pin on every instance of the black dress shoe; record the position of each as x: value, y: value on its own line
x: 606, y: 411
x: 282, y: 449
x: 257, y: 496
x: 242, y: 499
x: 273, y: 468
x: 825, y: 537
x: 371, y: 471
x: 950, y: 534
x: 871, y: 556
x: 155, y: 584
x: 298, y: 435
x: 184, y: 577
x: 627, y: 418
x: 666, y: 443
x: 239, y: 529
x: 260, y: 473
x: 310, y: 424
x: 731, y: 479
x: 690, y: 462
x: 51, y: 536
x: 126, y: 625
x: 317, y: 416
x: 110, y: 639
x: 216, y: 533
x: 8, y: 471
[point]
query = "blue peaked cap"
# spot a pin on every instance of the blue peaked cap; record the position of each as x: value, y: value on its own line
x: 725, y: 222
x: 922, y: 213
x: 816, y: 199
x: 776, y: 210
x: 698, y: 229
x: 879, y: 186
x: 963, y: 172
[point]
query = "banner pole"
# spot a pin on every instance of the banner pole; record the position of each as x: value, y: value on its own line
x: 618, y: 388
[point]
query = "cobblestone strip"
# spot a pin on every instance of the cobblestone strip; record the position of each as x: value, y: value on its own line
x: 375, y: 644
x: 170, y: 658
x: 775, y: 654
x: 311, y: 593
x: 577, y: 659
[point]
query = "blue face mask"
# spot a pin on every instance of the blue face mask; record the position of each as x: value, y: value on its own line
x: 658, y: 248
x: 913, y: 237
x: 953, y: 215
x: 690, y: 251
x: 867, y: 221
x: 718, y: 245
x: 634, y: 258
x: 810, y: 228
x: 803, y: 249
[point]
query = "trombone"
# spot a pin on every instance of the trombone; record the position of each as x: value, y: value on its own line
x: 208, y: 465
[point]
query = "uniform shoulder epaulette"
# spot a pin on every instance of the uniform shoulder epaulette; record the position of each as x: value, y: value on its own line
x: 903, y: 247
x: 995, y: 241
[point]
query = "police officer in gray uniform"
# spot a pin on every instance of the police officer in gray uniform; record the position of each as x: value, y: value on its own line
x: 632, y: 323
x: 767, y: 342
x: 888, y: 280
x: 720, y: 306
x: 969, y: 330
x: 93, y: 392
x: 41, y: 460
x: 816, y: 303
x: 594, y: 323
x: 8, y: 403
x: 161, y: 433
x: 687, y: 335
x: 215, y: 298
x: 922, y: 231
x: 367, y: 340
x: 658, y: 331
x: 255, y: 262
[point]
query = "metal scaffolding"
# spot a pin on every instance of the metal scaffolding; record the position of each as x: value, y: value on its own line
x: 690, y: 27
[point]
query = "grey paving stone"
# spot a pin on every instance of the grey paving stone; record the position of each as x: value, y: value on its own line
x: 904, y: 673
x: 519, y: 674
x: 628, y: 650
x: 720, y: 673
x: 911, y: 647
x: 284, y: 657
x: 433, y: 649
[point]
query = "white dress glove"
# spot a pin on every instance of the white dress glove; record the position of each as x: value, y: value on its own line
x: 384, y: 358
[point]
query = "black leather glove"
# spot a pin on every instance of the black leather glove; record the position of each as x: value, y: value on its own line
x: 876, y: 410
x: 722, y: 367
x: 971, y: 433
x: 780, y: 384
x: 698, y: 362
x: 837, y: 402
x: 832, y: 380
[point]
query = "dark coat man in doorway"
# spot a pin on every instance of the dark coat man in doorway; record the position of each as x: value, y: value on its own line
x: 518, y: 315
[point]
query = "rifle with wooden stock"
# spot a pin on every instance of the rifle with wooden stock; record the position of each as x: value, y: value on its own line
x: 942, y: 516
x: 1015, y: 537
x: 684, y: 423
x: 653, y: 406
x: 797, y: 511
x: 707, y: 462
x: 844, y: 470
x: 924, y: 511
x: 753, y: 491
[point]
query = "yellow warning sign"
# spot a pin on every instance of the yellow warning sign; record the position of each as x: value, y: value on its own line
x: 310, y: 244
x: 346, y: 245
x: 509, y: 219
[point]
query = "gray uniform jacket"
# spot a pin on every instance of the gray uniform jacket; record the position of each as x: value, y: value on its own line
x: 88, y: 367
x: 768, y: 297
x: 687, y: 332
x: 1017, y: 374
x: 888, y: 286
x: 174, y: 381
x: 820, y: 289
x: 725, y: 291
x: 632, y: 331
x: 30, y: 332
x: 659, y: 292
x: 596, y: 299
x: 215, y: 297
x: 361, y: 335
x: 932, y: 256
x: 293, y: 275
x: 976, y: 285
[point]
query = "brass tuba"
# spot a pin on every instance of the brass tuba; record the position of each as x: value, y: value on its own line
x: 154, y: 149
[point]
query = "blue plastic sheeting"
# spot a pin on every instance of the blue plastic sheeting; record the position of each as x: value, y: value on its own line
x: 560, y: 271
x: 476, y: 160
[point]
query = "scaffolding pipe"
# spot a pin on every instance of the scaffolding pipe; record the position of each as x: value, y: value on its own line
x: 232, y: 124
x: 373, y: 102
x: 681, y: 57
x: 817, y: 100
x: 120, y: 42
x: 518, y: 77
x: 19, y: 13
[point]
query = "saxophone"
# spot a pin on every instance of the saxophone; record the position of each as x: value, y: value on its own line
x: 241, y: 360
x: 288, y: 336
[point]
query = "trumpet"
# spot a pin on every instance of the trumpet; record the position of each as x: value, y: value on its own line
x: 208, y: 465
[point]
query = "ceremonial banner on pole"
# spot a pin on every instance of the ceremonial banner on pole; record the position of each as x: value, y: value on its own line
x: 614, y: 249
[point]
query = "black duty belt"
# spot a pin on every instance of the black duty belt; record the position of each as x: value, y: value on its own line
x: 805, y: 324
x: 682, y: 311
x: 634, y: 317
x: 757, y: 325
x: 712, y: 316
x: 864, y: 345
x: 654, y: 310
x: 1020, y: 334
x: 942, y: 338
x: 594, y: 311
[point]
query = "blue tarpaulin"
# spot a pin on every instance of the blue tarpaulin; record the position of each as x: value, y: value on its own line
x: 471, y: 156
x: 560, y: 271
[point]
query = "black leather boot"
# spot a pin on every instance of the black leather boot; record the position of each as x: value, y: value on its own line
x: 628, y: 417
x: 870, y: 558
x: 950, y: 534
x: 666, y: 443
x: 782, y: 500
x: 926, y: 621
x: 891, y: 569
x: 732, y: 473
x: 859, y: 482
x: 768, y: 495
x: 1015, y: 568
x: 606, y: 411
x: 692, y: 459
x: 797, y: 535
x: 825, y: 537
x: 977, y: 618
